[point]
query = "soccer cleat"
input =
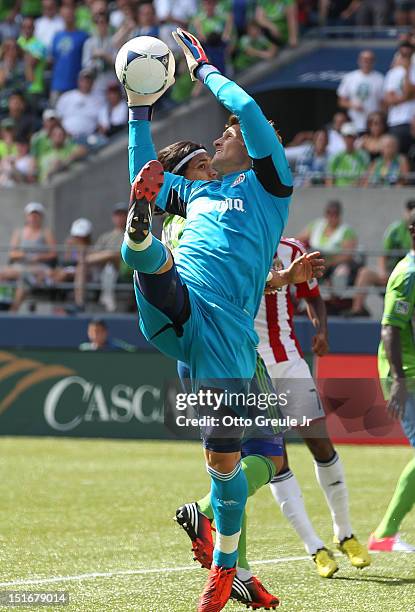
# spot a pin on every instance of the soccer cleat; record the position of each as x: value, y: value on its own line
x: 325, y: 562
x: 253, y: 594
x: 389, y: 544
x: 144, y: 191
x: 355, y: 551
x: 217, y: 589
x: 199, y: 529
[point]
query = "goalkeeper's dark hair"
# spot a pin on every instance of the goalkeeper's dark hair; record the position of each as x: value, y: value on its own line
x: 233, y: 120
x: 172, y: 155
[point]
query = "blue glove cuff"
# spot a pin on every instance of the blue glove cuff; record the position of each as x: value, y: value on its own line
x: 140, y: 113
x: 204, y: 70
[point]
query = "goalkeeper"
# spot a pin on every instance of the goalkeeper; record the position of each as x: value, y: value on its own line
x: 200, y: 309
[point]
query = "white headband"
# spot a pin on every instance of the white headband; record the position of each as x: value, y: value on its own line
x: 187, y: 159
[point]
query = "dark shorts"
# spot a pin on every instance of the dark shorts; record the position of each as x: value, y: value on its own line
x: 225, y: 431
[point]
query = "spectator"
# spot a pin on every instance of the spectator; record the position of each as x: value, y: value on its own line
x: 99, y: 54
x: 373, y: 12
x: 12, y: 70
x: 9, y: 12
x: 105, y: 257
x: 113, y: 115
x: 99, y: 339
x: 338, y: 12
x: 41, y: 142
x: 332, y: 237
x: 147, y: 24
x: 360, y: 91
x: 399, y: 91
x: 214, y: 27
x: 19, y: 111
x: 67, y: 54
x: 78, y: 109
x: 19, y: 167
x: 32, y: 252
x: 348, y: 168
x: 279, y: 20
x: 253, y: 46
x: 63, y: 153
x: 405, y: 12
x: 7, y: 139
x: 396, y: 238
x: 371, y: 142
x: 76, y: 245
x: 336, y: 140
x: 311, y: 165
x: 391, y: 168
x: 49, y: 24
x: 34, y: 59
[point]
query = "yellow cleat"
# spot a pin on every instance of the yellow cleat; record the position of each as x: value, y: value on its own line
x: 355, y: 551
x: 326, y: 563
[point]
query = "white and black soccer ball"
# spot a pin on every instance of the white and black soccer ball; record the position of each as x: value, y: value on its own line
x: 145, y: 65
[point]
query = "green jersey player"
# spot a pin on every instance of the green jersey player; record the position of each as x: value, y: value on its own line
x: 396, y: 364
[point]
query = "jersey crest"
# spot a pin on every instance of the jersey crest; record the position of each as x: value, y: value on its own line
x: 238, y: 180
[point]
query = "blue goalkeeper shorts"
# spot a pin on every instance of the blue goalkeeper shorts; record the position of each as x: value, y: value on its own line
x: 214, y: 337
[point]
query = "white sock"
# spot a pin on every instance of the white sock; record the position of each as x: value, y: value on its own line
x: 331, y: 478
x: 243, y: 574
x: 287, y: 494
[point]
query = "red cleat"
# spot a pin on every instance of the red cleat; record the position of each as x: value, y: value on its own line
x: 217, y: 589
x: 199, y: 529
x: 144, y: 191
x: 253, y: 594
x: 389, y: 544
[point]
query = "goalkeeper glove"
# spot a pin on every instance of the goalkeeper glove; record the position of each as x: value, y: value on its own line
x: 192, y: 49
x: 136, y: 99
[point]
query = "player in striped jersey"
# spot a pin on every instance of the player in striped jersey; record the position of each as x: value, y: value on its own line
x: 281, y: 351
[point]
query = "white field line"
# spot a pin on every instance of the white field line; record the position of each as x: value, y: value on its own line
x: 138, y: 572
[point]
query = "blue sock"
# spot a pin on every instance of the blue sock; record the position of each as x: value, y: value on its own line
x: 147, y: 256
x: 229, y: 493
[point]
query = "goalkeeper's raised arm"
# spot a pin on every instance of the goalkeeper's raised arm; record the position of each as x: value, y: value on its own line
x: 262, y: 142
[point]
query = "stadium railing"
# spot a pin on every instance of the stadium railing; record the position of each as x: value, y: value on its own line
x: 83, y: 293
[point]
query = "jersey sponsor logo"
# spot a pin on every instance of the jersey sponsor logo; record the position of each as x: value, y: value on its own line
x: 402, y: 307
x: 239, y: 180
x: 230, y: 204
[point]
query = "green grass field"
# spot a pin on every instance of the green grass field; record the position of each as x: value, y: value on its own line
x: 94, y: 518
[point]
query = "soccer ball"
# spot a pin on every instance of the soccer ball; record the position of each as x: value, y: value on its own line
x: 145, y: 65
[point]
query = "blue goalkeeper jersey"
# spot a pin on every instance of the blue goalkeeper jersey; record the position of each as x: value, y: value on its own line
x: 233, y: 225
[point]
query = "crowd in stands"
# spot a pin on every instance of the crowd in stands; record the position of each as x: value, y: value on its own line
x: 346, y: 265
x: 371, y: 141
x: 59, y: 99
x: 35, y: 262
x: 58, y: 57
x: 87, y: 270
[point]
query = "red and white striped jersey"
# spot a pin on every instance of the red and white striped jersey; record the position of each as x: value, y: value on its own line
x: 274, y: 322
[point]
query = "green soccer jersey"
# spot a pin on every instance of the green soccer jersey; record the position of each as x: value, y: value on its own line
x: 397, y: 237
x: 398, y: 311
x: 347, y: 168
x: 275, y: 10
x: 173, y: 227
x: 35, y: 48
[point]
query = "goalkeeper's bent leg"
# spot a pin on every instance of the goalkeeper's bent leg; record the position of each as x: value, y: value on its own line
x: 148, y: 256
